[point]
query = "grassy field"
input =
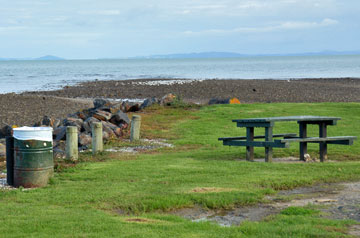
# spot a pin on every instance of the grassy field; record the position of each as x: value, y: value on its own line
x: 127, y: 195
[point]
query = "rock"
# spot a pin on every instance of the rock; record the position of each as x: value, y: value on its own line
x: 167, y: 100
x: 47, y: 121
x: 99, y: 102
x: 87, y: 124
x: 83, y: 114
x: 307, y: 157
x: 106, y: 136
x: 148, y: 102
x: 126, y: 106
x: 134, y: 108
x: 102, y: 115
x: 6, y: 131
x: 71, y: 121
x: 56, y: 124
x: 109, y: 128
x: 84, y: 139
x: 2, y: 151
x: 120, y: 118
x: 59, y: 133
x: 118, y: 132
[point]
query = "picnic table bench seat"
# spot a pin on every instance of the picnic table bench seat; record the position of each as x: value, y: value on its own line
x: 269, y: 142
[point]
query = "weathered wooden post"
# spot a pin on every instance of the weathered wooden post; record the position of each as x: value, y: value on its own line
x: 97, y: 137
x: 72, y: 151
x: 135, y: 128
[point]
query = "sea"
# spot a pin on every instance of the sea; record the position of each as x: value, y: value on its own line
x: 32, y: 75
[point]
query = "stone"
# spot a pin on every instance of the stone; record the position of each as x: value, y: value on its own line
x: 2, y: 151
x: 148, y: 102
x: 168, y: 99
x: 134, y: 108
x: 71, y: 121
x: 47, y: 121
x: 99, y: 102
x: 307, y: 157
x: 88, y: 122
x: 84, y: 139
x: 120, y: 118
x: 102, y: 115
x: 56, y: 124
x: 118, y: 132
x: 6, y: 131
x: 109, y: 129
x: 59, y: 133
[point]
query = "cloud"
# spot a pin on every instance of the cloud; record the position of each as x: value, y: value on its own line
x: 290, y: 25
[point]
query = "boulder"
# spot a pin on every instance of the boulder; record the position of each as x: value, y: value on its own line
x: 120, y: 118
x: 87, y: 124
x: 109, y: 128
x: 99, y: 102
x: 84, y: 139
x: 6, y: 131
x: 148, y: 102
x: 167, y: 100
x: 59, y: 133
x: 2, y: 151
x: 47, y: 121
x: 71, y: 121
x: 102, y: 115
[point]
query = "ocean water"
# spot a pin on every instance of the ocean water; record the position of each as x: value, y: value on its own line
x: 19, y: 76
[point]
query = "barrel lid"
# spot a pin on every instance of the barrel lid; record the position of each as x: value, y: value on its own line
x: 33, y: 133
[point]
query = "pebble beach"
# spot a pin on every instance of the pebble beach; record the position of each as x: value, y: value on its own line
x: 28, y: 107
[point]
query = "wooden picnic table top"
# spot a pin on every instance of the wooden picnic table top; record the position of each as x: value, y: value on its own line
x: 289, y: 118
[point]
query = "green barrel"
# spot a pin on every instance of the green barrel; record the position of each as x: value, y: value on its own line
x: 33, y: 163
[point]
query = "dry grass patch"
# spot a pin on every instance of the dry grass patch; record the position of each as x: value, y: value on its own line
x: 211, y: 190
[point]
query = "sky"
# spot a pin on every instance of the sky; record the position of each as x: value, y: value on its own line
x: 81, y: 29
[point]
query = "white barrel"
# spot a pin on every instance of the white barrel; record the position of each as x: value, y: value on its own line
x: 33, y: 133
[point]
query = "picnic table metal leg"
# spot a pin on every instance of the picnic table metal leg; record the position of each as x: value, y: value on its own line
x: 303, y: 145
x: 268, y: 150
x: 250, y: 149
x: 323, y: 145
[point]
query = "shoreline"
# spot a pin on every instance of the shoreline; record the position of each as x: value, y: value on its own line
x: 29, y: 107
x: 201, y: 91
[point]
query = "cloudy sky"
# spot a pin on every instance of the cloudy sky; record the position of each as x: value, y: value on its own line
x: 115, y: 28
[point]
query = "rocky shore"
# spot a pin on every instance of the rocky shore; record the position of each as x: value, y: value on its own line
x: 29, y: 107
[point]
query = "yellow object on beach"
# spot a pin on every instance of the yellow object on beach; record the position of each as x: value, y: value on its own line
x: 234, y: 101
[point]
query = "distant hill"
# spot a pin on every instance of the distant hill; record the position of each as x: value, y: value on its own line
x: 46, y: 57
x: 49, y: 57
x: 238, y: 55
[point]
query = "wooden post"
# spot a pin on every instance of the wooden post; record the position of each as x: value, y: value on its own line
x: 323, y: 145
x: 135, y: 128
x: 303, y: 145
x: 10, y: 160
x: 97, y: 137
x: 249, y: 149
x: 268, y: 150
x: 72, y: 151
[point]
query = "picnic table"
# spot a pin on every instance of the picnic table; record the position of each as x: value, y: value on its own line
x: 269, y: 143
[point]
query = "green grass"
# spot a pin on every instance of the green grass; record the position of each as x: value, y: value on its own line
x: 117, y: 195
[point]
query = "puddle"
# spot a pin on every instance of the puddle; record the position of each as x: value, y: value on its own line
x: 338, y: 201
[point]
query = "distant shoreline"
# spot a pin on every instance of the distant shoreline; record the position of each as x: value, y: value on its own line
x: 201, y: 91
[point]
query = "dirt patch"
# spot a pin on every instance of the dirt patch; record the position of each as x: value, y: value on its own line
x: 139, y: 220
x: 211, y: 190
x: 337, y: 201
